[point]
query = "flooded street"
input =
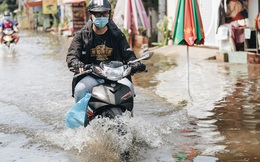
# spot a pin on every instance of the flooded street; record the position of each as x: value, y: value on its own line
x: 204, y: 110
x: 237, y: 115
x: 223, y: 105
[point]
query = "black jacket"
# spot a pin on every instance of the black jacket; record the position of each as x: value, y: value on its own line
x: 81, y: 44
x: 79, y: 49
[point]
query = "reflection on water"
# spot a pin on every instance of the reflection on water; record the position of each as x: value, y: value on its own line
x: 157, y: 64
x: 237, y: 117
x: 229, y: 129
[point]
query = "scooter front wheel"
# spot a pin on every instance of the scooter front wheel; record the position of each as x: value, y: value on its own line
x: 112, y: 112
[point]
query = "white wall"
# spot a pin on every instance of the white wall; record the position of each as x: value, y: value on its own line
x: 252, y: 12
x: 209, y: 12
x: 171, y: 8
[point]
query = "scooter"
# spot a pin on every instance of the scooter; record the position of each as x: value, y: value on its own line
x: 111, y: 98
x: 8, y: 39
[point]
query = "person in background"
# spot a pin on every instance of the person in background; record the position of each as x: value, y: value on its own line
x: 236, y: 10
x: 99, y: 40
x: 7, y: 23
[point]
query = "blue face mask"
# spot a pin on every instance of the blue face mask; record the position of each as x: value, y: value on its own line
x: 7, y: 18
x: 100, y: 22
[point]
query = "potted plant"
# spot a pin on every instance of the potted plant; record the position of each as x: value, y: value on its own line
x: 141, y: 38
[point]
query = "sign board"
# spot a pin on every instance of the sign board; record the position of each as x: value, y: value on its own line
x: 79, y: 15
x: 49, y: 6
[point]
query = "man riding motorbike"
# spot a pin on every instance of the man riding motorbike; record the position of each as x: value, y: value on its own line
x: 8, y: 24
x: 99, y: 40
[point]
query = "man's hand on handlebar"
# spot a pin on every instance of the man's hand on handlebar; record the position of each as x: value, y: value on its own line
x: 78, y: 66
x: 138, y: 67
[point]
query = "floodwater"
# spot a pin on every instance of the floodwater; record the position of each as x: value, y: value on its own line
x: 184, y: 109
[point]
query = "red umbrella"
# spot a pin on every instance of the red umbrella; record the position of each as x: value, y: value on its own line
x: 131, y: 16
x: 188, y: 29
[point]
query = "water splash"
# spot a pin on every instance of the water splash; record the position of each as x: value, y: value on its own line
x: 103, y: 138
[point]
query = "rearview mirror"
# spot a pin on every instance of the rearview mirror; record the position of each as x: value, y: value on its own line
x: 144, y: 56
x: 147, y: 55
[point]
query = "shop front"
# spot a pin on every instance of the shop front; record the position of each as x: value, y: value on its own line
x: 74, y: 16
x: 229, y: 25
x: 40, y: 14
x: 238, y: 32
x: 30, y: 17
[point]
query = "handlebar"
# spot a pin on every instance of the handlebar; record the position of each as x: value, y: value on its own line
x: 88, y: 69
x: 83, y: 73
x: 145, y: 56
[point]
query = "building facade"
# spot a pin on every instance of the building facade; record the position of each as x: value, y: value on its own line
x: 209, y: 10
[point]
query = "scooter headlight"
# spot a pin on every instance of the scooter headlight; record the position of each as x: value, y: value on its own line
x: 8, y: 32
x: 114, y: 74
x: 7, y: 38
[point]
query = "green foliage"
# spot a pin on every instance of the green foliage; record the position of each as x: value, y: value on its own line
x: 55, y: 20
x: 113, y: 3
x: 8, y: 5
x: 87, y: 2
x: 3, y: 7
x: 157, y: 44
x: 125, y: 31
x: 142, y: 31
x: 113, y: 6
x: 163, y: 28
